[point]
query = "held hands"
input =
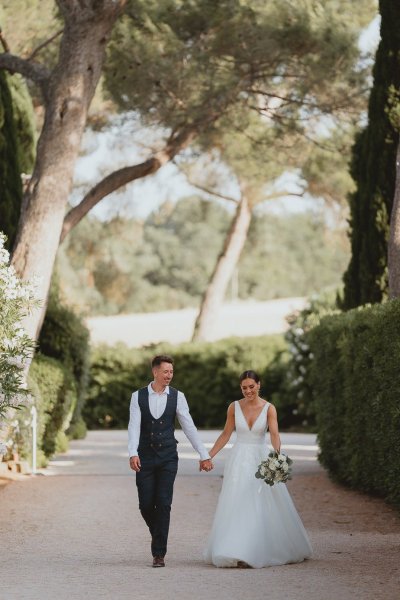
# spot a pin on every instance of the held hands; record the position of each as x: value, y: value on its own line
x: 206, y: 465
x: 134, y: 463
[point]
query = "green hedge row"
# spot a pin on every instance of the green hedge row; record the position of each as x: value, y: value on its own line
x: 207, y: 373
x: 56, y: 396
x: 65, y: 338
x: 355, y: 378
x: 58, y: 381
x: 54, y: 393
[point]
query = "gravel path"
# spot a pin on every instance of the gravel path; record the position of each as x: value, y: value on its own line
x: 77, y: 534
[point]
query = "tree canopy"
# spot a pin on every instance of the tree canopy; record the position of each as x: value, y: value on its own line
x: 164, y: 263
x: 374, y: 171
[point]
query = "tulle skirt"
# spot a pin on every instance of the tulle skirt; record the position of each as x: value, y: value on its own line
x: 254, y: 523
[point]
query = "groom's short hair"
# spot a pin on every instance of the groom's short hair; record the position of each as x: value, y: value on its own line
x: 160, y: 358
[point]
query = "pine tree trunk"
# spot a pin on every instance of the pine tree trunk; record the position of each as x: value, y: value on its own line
x: 223, y: 271
x: 70, y: 90
x: 394, y: 240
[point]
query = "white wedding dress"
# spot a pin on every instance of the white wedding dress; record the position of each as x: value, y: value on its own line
x: 254, y: 523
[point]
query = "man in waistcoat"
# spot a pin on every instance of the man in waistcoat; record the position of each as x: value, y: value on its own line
x: 153, y: 451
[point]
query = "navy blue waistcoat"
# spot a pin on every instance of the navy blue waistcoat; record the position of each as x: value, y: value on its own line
x: 157, y: 435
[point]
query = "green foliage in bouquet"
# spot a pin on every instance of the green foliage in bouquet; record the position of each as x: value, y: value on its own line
x: 276, y: 469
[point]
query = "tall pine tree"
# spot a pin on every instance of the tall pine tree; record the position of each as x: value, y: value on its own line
x: 374, y: 170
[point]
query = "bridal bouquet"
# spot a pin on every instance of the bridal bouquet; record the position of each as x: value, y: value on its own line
x: 277, y: 468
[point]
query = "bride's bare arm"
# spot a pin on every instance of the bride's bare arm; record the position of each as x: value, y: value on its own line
x: 272, y: 419
x: 224, y: 438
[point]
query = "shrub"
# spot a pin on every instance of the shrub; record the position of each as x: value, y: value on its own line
x: 286, y: 377
x: 65, y: 338
x: 355, y: 377
x: 294, y: 392
x: 53, y: 392
x: 16, y: 347
x: 16, y: 300
x: 208, y: 373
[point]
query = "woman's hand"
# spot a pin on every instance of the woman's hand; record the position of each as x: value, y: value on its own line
x: 206, y: 465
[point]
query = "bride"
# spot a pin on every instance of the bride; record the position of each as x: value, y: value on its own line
x: 255, y: 525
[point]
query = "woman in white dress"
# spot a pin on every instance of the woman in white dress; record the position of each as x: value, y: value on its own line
x: 255, y: 525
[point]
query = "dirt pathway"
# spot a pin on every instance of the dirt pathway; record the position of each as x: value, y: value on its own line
x: 78, y: 535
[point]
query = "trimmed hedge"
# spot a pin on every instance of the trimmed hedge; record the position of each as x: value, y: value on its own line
x: 355, y: 378
x: 65, y: 338
x: 55, y: 403
x: 208, y: 374
x: 54, y: 394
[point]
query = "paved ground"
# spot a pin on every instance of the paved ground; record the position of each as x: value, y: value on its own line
x: 242, y: 318
x: 77, y: 534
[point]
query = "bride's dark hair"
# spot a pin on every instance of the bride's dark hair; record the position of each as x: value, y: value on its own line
x: 249, y: 375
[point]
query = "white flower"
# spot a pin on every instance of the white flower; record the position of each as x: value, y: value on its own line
x: 16, y: 299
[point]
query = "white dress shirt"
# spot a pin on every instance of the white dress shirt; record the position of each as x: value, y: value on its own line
x: 157, y: 404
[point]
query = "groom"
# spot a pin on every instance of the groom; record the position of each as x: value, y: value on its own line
x: 152, y: 449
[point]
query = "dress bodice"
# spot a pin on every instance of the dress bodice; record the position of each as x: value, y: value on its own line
x: 257, y: 433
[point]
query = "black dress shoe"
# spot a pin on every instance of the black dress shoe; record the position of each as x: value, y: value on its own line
x: 158, y: 561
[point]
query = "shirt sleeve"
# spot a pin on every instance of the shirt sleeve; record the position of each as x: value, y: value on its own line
x: 189, y: 428
x: 135, y: 417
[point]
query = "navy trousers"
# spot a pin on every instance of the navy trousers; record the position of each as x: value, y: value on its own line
x: 155, y: 484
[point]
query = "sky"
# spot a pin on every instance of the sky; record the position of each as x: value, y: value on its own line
x: 122, y: 144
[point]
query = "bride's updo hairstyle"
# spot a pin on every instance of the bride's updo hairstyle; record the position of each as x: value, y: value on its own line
x: 249, y: 375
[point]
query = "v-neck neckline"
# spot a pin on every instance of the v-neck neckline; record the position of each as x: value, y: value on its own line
x: 255, y: 421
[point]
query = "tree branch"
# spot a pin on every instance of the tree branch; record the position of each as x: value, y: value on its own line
x: 31, y: 70
x: 212, y: 192
x: 180, y: 138
x: 3, y: 42
x: 121, y: 177
x: 44, y: 44
x: 283, y: 194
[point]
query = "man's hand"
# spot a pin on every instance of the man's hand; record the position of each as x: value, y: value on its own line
x: 134, y: 462
x: 206, y: 465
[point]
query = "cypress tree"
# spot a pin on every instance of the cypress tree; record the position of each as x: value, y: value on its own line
x: 10, y: 177
x: 373, y: 169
